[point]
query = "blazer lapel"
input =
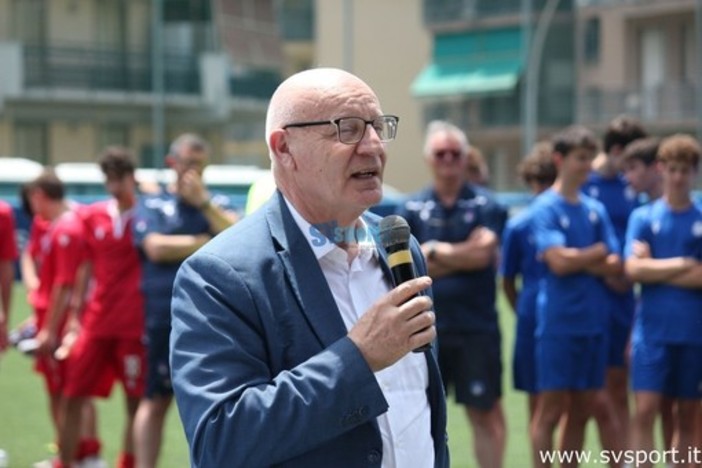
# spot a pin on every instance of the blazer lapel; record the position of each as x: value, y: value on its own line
x: 307, y: 282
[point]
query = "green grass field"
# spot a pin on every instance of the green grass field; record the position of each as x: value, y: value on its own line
x: 25, y: 432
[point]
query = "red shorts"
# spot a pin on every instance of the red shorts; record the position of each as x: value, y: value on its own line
x: 96, y: 362
x: 54, y: 373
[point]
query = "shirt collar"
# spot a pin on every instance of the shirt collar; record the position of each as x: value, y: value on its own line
x: 323, y: 246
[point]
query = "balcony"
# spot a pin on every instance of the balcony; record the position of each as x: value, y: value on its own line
x: 664, y: 103
x: 96, y: 69
x: 608, y: 3
x: 437, y: 12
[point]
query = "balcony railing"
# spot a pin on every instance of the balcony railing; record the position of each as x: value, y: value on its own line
x: 588, y: 3
x: 490, y: 112
x: 442, y: 11
x: 669, y: 102
x: 90, y: 68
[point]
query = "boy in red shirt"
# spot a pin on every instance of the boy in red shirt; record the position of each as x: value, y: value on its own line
x: 109, y: 345
x: 8, y: 254
x: 59, y: 252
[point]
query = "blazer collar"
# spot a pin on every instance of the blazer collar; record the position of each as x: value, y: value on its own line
x: 304, y: 274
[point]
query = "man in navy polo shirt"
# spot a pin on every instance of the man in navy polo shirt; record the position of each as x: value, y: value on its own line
x: 168, y: 227
x: 455, y: 222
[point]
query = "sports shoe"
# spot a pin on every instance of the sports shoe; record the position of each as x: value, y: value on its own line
x: 28, y: 346
x: 48, y: 463
x: 23, y: 333
x: 92, y: 462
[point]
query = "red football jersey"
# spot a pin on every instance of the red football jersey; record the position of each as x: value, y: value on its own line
x: 116, y: 307
x: 8, y: 245
x: 36, y: 235
x: 61, y: 250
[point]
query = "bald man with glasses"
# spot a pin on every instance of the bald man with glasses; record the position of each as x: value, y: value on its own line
x: 294, y: 349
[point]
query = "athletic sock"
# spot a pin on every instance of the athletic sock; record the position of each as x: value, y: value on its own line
x: 88, y: 447
x: 126, y: 460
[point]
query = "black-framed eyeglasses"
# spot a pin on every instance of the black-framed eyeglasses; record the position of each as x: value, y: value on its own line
x: 350, y: 130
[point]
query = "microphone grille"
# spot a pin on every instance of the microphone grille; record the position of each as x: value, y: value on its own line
x: 394, y: 230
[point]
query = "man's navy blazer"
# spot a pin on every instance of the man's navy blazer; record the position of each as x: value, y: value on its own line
x: 263, y: 371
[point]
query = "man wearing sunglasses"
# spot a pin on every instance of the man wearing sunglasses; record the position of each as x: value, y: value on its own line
x: 294, y: 349
x: 456, y: 223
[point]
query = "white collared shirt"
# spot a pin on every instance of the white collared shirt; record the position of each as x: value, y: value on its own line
x: 406, y: 426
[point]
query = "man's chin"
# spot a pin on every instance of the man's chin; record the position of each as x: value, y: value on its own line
x: 371, y: 197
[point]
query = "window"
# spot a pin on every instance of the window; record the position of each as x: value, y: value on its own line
x: 111, y: 135
x: 187, y: 10
x: 28, y: 20
x: 689, y: 56
x: 31, y: 141
x: 592, y: 40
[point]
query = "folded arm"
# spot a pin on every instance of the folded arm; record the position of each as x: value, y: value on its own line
x: 569, y: 260
x: 690, y: 278
x: 643, y: 268
x: 475, y: 253
x: 170, y: 248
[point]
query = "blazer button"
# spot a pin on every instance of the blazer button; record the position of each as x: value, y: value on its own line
x: 374, y: 456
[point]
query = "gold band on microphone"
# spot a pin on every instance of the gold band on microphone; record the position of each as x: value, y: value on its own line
x: 399, y: 257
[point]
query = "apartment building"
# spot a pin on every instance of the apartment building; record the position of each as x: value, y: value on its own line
x: 460, y: 60
x: 79, y: 74
x: 478, y: 68
x: 641, y: 58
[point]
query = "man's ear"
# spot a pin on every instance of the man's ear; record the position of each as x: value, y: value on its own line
x: 280, y: 149
x: 170, y: 161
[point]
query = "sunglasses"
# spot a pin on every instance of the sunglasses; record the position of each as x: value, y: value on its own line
x: 448, y: 155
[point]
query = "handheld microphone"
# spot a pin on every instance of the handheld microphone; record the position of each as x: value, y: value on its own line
x: 395, y: 236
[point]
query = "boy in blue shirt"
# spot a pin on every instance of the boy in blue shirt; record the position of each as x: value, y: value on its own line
x: 664, y: 253
x: 608, y: 185
x: 519, y: 259
x: 641, y: 168
x: 576, y: 241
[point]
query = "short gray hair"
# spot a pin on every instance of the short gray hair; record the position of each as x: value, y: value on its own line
x: 188, y: 140
x: 442, y: 126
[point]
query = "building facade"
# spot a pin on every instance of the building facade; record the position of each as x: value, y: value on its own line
x: 641, y: 58
x: 79, y: 74
x: 474, y: 62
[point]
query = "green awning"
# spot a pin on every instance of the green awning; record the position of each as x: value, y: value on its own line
x: 475, y: 63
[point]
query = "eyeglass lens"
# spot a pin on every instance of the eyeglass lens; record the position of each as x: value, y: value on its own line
x: 352, y: 129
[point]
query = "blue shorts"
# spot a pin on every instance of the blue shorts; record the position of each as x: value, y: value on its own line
x: 158, y: 369
x: 674, y: 370
x: 524, y: 357
x: 571, y: 362
x: 471, y: 363
x: 619, y: 334
x: 620, y: 322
